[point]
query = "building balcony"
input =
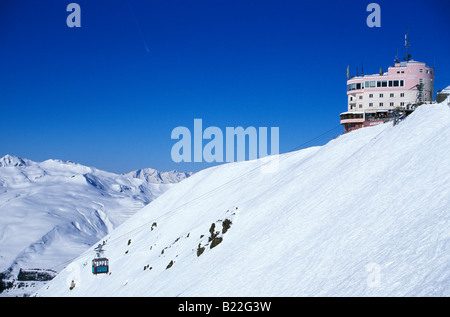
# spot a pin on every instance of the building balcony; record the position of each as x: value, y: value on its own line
x: 352, y: 117
x: 345, y: 121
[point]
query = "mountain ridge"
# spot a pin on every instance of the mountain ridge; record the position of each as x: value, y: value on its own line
x: 157, y: 177
x: 51, y: 211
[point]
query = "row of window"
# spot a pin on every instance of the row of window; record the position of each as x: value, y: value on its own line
x: 391, y: 95
x: 380, y: 104
x: 352, y: 116
x: 376, y: 83
x: 428, y: 71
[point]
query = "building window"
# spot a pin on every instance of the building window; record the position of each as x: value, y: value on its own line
x: 360, y: 97
x: 402, y: 104
x: 384, y: 83
x: 402, y: 94
x: 370, y: 104
x: 381, y: 104
x: 352, y: 86
x: 391, y: 104
x: 402, y: 83
x: 360, y: 106
x: 390, y: 83
x: 381, y: 95
x: 370, y: 95
x: 391, y: 95
x: 421, y: 70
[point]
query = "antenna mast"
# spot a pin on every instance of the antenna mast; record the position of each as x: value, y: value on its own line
x: 407, y: 45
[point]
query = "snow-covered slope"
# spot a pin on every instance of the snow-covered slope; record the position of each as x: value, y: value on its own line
x: 52, y: 211
x: 366, y: 214
x: 156, y: 177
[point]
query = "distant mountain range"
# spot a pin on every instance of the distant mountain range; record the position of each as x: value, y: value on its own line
x: 52, y: 211
x: 156, y: 177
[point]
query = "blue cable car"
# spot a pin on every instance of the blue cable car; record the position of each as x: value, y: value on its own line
x: 100, y: 264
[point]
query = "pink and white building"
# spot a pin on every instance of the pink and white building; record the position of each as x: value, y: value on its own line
x: 372, y: 98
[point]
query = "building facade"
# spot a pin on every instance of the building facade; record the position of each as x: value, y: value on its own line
x: 372, y: 98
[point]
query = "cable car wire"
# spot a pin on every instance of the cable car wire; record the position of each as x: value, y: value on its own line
x: 170, y: 212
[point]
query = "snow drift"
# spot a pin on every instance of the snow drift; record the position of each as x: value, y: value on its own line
x: 365, y: 215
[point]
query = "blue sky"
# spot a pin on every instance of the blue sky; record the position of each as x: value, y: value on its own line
x: 96, y: 96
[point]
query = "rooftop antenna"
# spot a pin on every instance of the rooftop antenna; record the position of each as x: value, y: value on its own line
x: 407, y: 46
x: 396, y: 57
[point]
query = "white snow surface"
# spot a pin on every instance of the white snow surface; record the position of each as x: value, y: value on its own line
x: 52, y: 211
x: 365, y: 215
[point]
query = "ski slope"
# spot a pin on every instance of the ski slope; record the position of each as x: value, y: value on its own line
x: 52, y: 211
x: 365, y: 215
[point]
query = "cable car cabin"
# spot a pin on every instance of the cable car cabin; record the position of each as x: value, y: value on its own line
x: 100, y: 266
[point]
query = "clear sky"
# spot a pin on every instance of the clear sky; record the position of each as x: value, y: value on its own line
x: 110, y: 93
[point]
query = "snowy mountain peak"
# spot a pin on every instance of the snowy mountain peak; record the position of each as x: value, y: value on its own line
x: 156, y: 177
x: 11, y: 160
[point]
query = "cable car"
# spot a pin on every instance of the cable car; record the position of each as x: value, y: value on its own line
x: 100, y: 264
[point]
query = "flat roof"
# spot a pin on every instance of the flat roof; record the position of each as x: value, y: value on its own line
x: 352, y: 112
